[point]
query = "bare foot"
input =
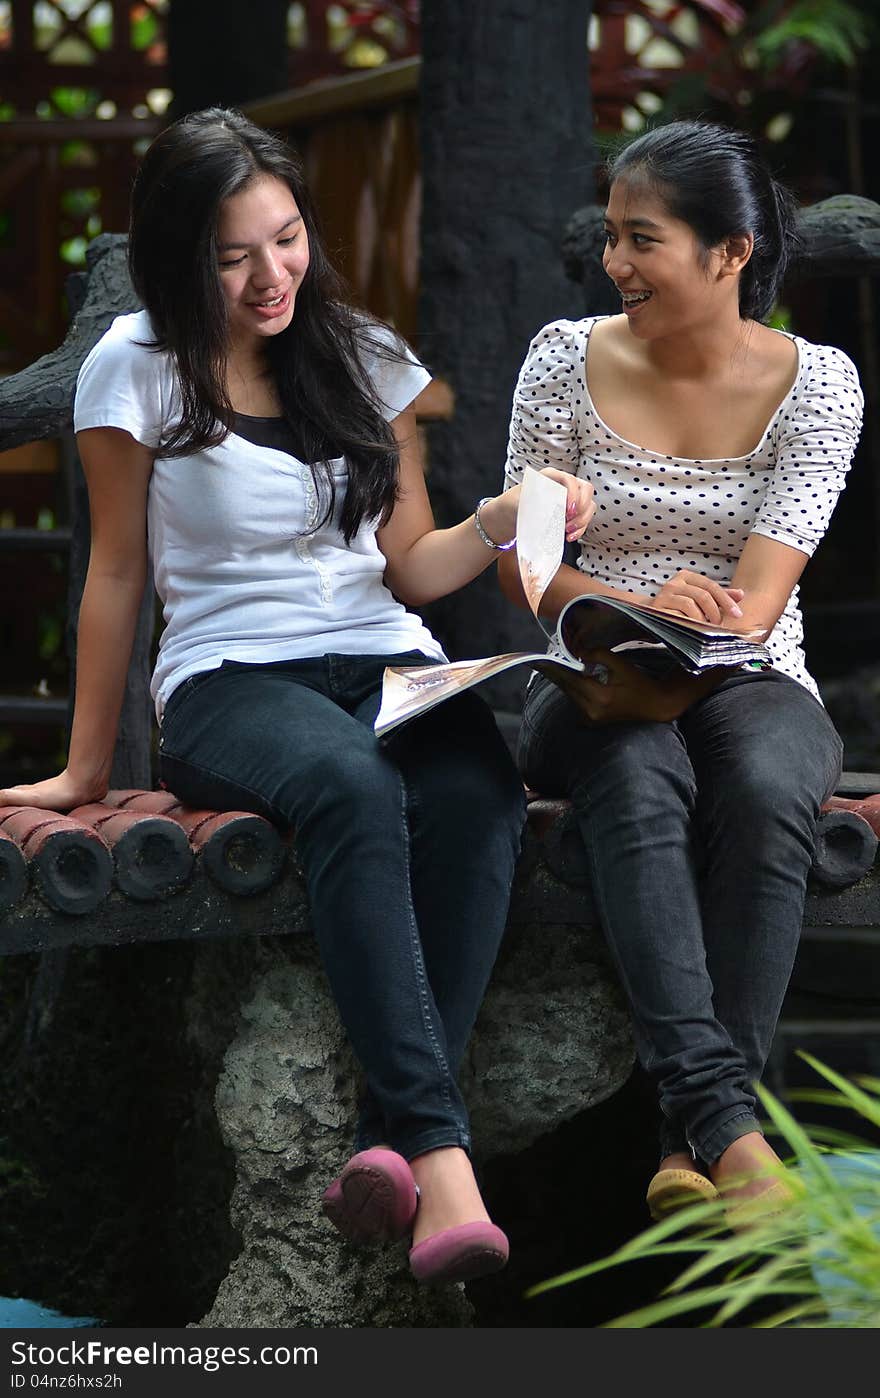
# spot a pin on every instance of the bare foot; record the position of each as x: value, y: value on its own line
x: 747, y: 1169
x: 448, y: 1193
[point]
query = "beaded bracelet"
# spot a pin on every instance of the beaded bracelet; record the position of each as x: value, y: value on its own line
x: 499, y: 548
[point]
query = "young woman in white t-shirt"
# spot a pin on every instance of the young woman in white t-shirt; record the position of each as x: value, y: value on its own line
x: 262, y: 433
x: 717, y: 448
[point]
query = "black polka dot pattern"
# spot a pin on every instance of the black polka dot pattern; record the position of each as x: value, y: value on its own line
x: 657, y: 514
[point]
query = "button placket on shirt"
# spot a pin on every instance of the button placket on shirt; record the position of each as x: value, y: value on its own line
x: 325, y: 583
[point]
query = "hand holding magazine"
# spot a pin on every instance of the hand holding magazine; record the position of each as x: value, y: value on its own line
x: 585, y: 623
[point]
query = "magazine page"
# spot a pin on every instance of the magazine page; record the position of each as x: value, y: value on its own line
x: 709, y: 629
x: 408, y: 690
x: 594, y: 622
x: 540, y: 535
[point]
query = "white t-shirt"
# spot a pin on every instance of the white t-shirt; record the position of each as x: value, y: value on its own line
x: 238, y: 573
x: 657, y: 514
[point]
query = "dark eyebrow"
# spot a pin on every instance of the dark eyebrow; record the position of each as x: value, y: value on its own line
x: 636, y: 223
x: 229, y: 247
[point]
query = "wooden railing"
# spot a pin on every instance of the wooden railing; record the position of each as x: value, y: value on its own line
x: 43, y: 166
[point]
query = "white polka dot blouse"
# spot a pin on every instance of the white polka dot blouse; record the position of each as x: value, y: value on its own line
x: 658, y: 514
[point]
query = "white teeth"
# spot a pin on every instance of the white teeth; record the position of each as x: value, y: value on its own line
x: 632, y: 298
x: 276, y: 302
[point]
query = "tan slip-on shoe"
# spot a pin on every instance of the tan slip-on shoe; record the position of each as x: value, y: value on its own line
x: 671, y: 1190
x: 749, y: 1213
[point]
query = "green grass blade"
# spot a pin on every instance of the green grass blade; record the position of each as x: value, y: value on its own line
x: 866, y: 1105
x: 820, y: 1257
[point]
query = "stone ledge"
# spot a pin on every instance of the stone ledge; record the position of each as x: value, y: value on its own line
x: 141, y: 867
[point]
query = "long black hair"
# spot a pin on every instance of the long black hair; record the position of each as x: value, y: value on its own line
x: 714, y: 179
x: 317, y: 362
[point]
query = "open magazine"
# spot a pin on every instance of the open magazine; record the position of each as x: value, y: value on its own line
x: 585, y: 623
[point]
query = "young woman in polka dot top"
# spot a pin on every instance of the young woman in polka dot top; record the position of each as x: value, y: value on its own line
x: 716, y: 448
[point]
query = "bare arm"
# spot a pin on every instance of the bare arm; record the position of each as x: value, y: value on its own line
x: 117, y: 470
x: 767, y: 572
x: 691, y: 594
x: 568, y: 583
x: 424, y: 562
x: 763, y: 581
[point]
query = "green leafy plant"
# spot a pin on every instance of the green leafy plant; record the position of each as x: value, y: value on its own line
x: 835, y: 29
x: 816, y: 1264
x: 758, y: 78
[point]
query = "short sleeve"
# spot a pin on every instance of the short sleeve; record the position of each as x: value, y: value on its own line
x: 815, y: 443
x: 123, y: 383
x: 542, y: 425
x: 397, y: 377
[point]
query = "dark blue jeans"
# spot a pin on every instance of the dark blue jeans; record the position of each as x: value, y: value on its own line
x: 699, y: 837
x: 408, y: 846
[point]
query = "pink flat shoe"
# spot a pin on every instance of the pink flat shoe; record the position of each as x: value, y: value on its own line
x: 374, y: 1200
x: 459, y: 1254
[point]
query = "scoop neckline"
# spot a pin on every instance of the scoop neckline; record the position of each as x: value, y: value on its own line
x: 692, y: 460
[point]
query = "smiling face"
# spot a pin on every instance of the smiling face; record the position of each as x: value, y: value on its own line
x: 667, y: 280
x: 263, y: 255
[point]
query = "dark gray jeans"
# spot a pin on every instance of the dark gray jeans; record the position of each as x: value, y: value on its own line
x: 408, y: 845
x: 699, y: 837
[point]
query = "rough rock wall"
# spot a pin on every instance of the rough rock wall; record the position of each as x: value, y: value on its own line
x: 166, y: 1135
x: 552, y: 1039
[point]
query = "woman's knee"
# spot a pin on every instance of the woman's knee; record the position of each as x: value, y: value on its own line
x: 457, y: 756
x: 780, y: 749
x: 476, y: 792
x: 643, y: 767
x: 355, y: 784
x: 762, y: 819
x: 784, y: 782
x: 479, y: 799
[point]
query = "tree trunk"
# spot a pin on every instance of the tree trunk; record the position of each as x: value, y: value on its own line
x: 507, y: 155
x: 223, y: 53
